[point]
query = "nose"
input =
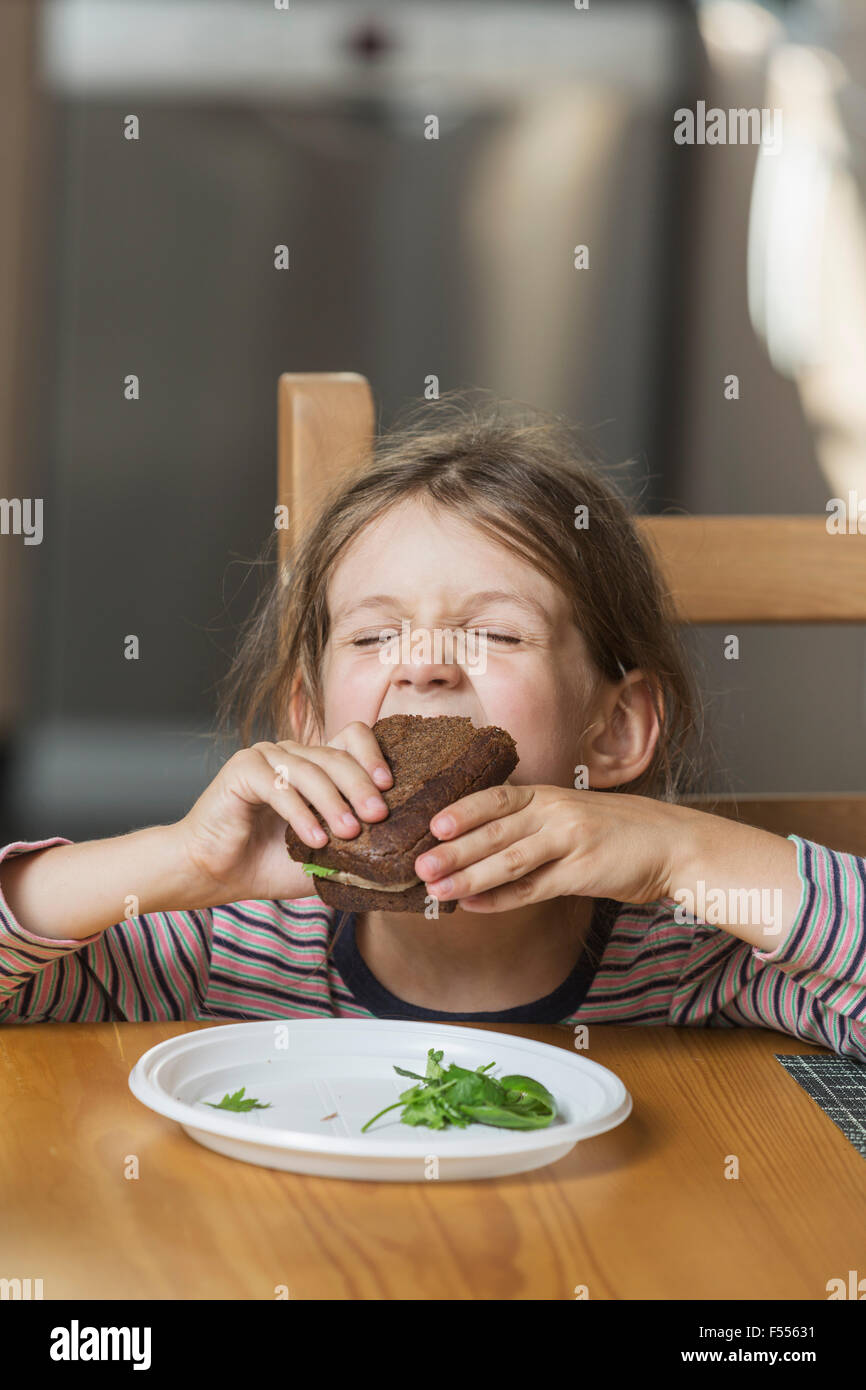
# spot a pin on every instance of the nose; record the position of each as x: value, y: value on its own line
x: 425, y: 657
x: 421, y: 674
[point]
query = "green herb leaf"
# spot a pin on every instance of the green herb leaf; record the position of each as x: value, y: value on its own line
x: 414, y: 1074
x: 455, y: 1096
x: 532, y: 1095
x: 317, y: 869
x: 237, y: 1102
x: 504, y: 1118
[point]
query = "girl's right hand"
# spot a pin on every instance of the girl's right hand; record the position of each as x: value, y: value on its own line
x: 234, y: 835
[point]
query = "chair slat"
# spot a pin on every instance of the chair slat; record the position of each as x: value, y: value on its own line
x: 325, y: 423
x: 837, y: 821
x: 759, y: 569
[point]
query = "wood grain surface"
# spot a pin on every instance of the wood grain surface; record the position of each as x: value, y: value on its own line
x: 643, y: 1212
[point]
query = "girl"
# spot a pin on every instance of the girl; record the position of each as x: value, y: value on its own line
x: 586, y: 891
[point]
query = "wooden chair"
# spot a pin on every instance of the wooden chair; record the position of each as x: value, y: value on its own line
x: 719, y: 569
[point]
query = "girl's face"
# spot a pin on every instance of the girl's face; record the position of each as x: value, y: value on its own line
x: 433, y: 570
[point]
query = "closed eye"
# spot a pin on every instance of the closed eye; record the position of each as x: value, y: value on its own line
x: 388, y: 637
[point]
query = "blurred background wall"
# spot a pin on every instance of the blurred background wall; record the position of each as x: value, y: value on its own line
x: 408, y: 257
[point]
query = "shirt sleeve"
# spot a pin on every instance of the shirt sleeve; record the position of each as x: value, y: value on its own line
x: 22, y: 954
x: 146, y: 968
x: 812, y: 984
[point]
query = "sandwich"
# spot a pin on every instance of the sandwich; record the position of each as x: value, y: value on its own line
x: 434, y: 760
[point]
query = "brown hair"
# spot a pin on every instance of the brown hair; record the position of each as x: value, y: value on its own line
x: 518, y: 474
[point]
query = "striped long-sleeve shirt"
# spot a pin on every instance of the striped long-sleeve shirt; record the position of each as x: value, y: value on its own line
x: 286, y: 959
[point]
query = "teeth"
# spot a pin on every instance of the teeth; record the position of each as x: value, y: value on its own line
x: 355, y: 882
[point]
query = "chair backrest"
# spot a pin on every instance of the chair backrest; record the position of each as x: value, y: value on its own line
x: 718, y: 569
x: 325, y: 423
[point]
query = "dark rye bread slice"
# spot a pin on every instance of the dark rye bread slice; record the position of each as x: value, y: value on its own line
x: 434, y: 760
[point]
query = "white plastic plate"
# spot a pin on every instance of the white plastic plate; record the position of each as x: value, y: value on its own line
x: 310, y: 1069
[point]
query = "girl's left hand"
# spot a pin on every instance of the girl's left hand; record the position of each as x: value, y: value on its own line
x: 508, y: 846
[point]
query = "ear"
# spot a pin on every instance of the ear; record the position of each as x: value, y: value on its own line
x: 626, y: 732
x: 301, y: 716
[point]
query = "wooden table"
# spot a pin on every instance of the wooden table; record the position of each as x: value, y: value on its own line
x: 643, y: 1212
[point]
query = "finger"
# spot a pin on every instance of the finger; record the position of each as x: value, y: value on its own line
x: 254, y: 781
x: 478, y: 807
x: 345, y: 774
x: 535, y: 887
x: 359, y: 740
x: 507, y: 866
x: 317, y: 784
x: 295, y: 810
x: 477, y: 844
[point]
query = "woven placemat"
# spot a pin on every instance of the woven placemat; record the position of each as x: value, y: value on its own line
x: 838, y: 1085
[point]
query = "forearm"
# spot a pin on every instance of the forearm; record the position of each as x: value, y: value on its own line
x: 737, y: 877
x: 69, y: 892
